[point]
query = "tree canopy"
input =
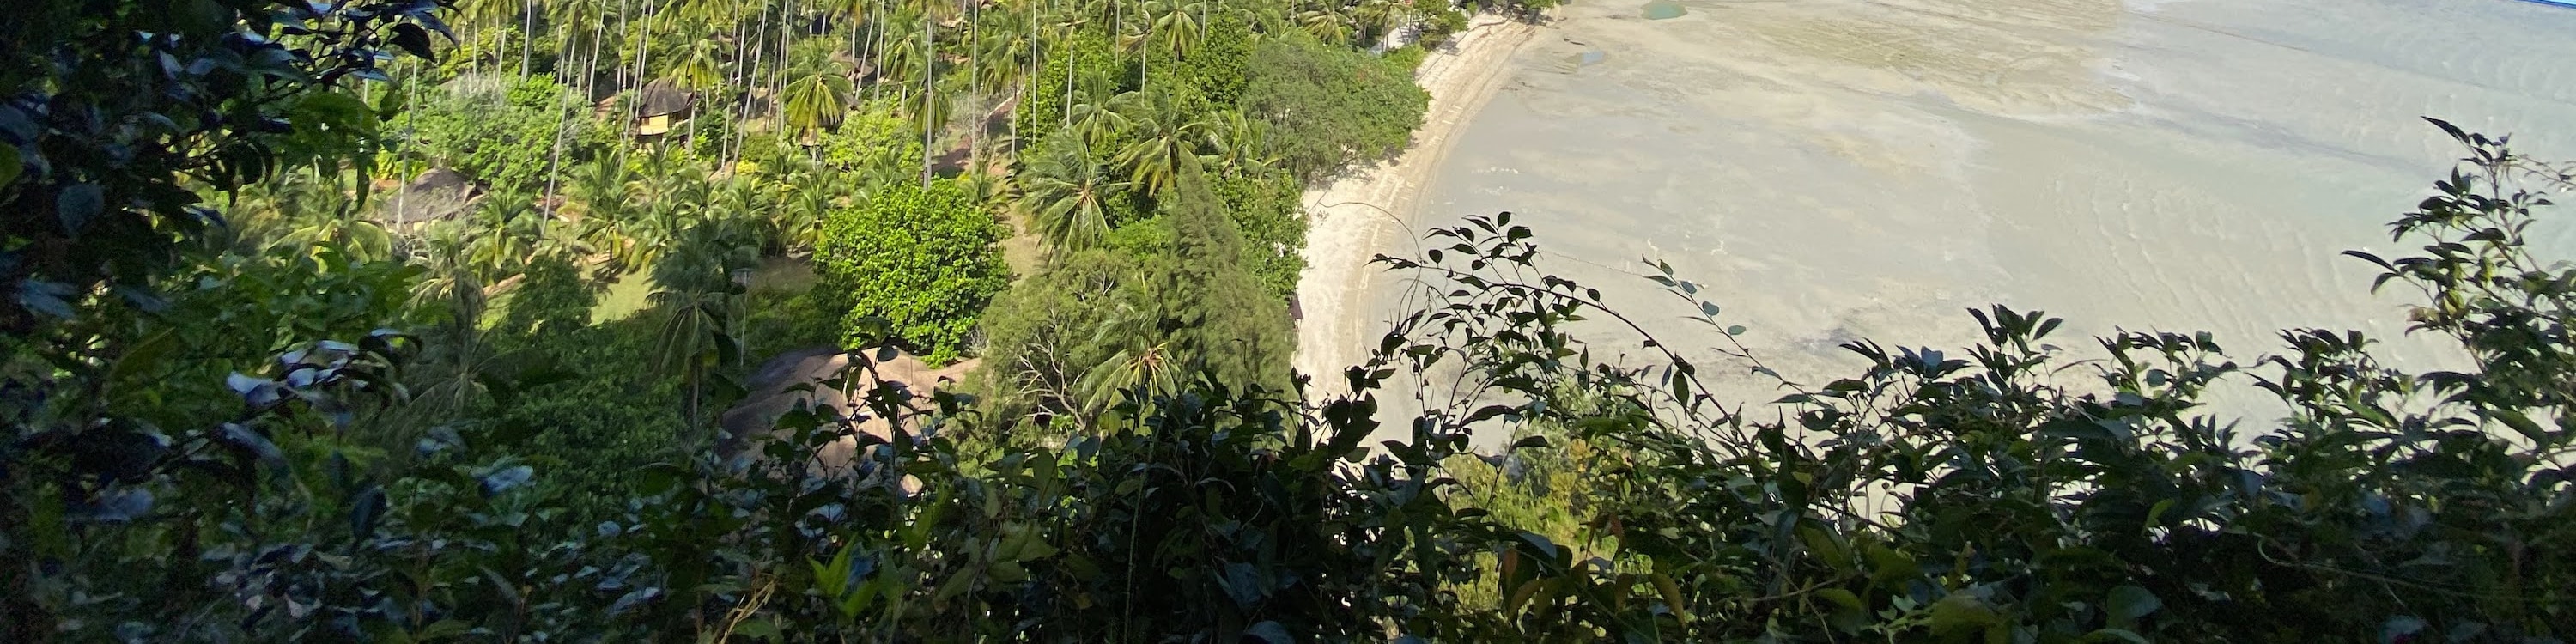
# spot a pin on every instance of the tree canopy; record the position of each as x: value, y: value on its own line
x: 1329, y: 106
x: 921, y: 260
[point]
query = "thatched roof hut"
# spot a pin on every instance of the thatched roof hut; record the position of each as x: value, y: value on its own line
x: 661, y: 105
x: 437, y: 194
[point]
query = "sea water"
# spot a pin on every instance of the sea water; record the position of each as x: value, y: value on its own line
x: 1833, y: 170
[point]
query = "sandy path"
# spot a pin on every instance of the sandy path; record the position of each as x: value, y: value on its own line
x: 1351, y: 218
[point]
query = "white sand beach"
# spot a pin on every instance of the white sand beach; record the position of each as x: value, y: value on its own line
x: 1357, y: 214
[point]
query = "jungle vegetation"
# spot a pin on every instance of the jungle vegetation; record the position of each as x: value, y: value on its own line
x: 414, y: 321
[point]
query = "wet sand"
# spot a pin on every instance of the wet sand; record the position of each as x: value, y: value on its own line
x: 1844, y: 169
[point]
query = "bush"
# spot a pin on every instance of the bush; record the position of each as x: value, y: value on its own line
x: 503, y: 133
x: 1329, y: 106
x: 922, y: 261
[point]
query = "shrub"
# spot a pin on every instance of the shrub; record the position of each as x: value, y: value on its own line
x: 924, y: 261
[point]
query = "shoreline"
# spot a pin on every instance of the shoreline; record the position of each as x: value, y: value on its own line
x: 1349, y: 217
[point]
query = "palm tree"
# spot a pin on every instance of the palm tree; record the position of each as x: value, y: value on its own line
x: 1181, y: 25
x: 816, y: 102
x: 580, y: 43
x: 1094, y: 124
x: 799, y: 225
x: 1327, y: 22
x: 503, y: 233
x: 1164, y: 142
x: 1146, y: 362
x: 1065, y: 196
x: 1234, y: 144
x: 314, y: 213
x: 699, y: 301
x: 1381, y: 17
x: 695, y: 336
x: 483, y: 15
x: 930, y: 113
x: 699, y: 70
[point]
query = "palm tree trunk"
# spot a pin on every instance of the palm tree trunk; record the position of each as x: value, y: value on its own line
x: 975, y: 73
x: 876, y: 47
x: 929, y: 58
x: 590, y: 65
x: 1073, y: 56
x: 528, y: 38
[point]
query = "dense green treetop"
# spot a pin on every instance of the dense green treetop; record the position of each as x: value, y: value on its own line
x: 920, y: 259
x: 1328, y: 106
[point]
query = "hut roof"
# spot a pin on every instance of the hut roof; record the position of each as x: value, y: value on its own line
x: 662, y: 98
x: 437, y: 194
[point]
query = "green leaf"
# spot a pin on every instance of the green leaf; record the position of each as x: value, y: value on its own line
x: 77, y: 205
x: 1960, y: 613
x: 1269, y: 632
x: 1850, y: 615
x: 2128, y: 603
x: 1540, y: 544
x: 143, y: 356
x: 2112, y: 634
x: 762, y: 627
x: 364, y: 510
x: 411, y: 38
x: 10, y: 166
x: 2523, y: 425
x: 2158, y: 511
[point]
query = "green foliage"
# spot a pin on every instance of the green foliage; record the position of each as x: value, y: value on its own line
x: 103, y: 109
x: 1409, y: 57
x: 1044, y: 335
x: 1143, y: 467
x: 816, y: 101
x: 1328, y: 106
x: 600, y: 413
x: 1218, y: 68
x: 873, y: 141
x: 1438, y: 22
x: 922, y: 260
x: 502, y: 133
x: 1267, y: 210
x: 1201, y: 309
x: 1096, y: 72
x: 100, y: 112
x: 1068, y: 195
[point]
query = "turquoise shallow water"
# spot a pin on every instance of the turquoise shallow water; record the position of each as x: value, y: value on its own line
x: 1839, y: 169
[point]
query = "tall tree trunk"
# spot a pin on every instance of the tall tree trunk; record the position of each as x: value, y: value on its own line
x: 876, y: 50
x: 590, y: 66
x: 740, y: 110
x: 1073, y: 57
x: 527, y: 38
x: 929, y: 59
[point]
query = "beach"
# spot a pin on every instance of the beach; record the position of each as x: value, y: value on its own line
x: 1351, y: 218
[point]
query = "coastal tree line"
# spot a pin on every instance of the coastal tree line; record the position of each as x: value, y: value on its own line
x: 398, y: 320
